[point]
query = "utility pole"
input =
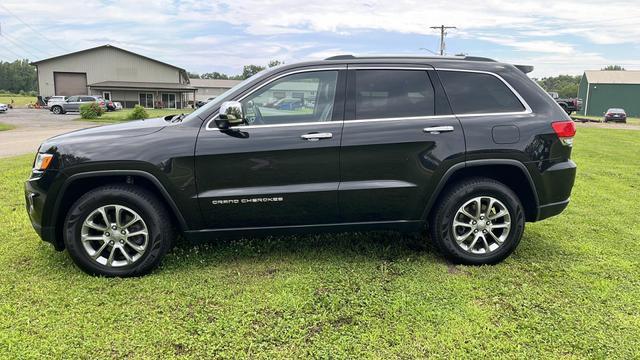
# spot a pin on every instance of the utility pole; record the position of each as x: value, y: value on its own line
x: 443, y: 32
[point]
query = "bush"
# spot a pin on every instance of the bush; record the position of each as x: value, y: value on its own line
x: 91, y: 111
x: 138, y: 113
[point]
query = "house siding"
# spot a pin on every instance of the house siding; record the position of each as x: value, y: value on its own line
x: 106, y: 64
x: 605, y: 96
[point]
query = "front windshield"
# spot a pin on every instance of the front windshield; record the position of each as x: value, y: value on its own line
x: 220, y: 98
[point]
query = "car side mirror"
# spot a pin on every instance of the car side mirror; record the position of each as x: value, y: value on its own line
x: 230, y: 114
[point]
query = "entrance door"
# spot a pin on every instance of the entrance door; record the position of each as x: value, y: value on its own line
x: 169, y: 101
x: 281, y: 168
x: 106, y: 95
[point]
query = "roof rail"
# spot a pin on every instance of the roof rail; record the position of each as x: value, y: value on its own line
x: 351, y: 57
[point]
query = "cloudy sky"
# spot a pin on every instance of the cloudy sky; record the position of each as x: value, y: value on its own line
x: 557, y: 37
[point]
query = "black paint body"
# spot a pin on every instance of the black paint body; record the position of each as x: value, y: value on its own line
x: 369, y: 175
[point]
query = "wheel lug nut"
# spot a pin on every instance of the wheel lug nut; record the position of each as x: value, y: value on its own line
x: 475, y: 231
x: 113, y: 227
x: 121, y: 241
x: 107, y: 234
x: 473, y: 222
x: 484, y: 231
x: 111, y: 242
x: 488, y: 222
x: 122, y: 232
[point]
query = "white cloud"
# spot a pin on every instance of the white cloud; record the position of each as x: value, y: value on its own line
x: 180, y: 32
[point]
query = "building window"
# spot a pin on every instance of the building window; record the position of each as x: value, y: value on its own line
x: 169, y: 101
x: 146, y: 100
x: 106, y: 95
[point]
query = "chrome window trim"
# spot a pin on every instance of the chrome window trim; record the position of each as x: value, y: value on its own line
x: 527, y: 108
x: 324, y: 68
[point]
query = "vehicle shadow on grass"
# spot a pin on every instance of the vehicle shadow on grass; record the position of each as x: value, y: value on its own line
x: 384, y: 245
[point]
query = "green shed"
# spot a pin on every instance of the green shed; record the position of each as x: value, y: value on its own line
x: 603, y: 89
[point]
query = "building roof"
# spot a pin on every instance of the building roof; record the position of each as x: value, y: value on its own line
x: 140, y: 85
x: 613, y: 76
x: 214, y: 83
x: 183, y: 71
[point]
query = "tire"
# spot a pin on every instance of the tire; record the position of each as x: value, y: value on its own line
x: 57, y: 110
x: 138, y: 252
x: 443, y: 230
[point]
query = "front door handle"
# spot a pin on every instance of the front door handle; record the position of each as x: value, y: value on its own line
x: 317, y: 136
x: 438, y: 129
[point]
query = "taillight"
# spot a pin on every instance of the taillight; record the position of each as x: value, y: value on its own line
x: 101, y: 103
x: 565, y: 130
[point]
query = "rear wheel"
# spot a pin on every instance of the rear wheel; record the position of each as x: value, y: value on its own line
x: 477, y: 221
x: 118, y: 230
x: 57, y: 110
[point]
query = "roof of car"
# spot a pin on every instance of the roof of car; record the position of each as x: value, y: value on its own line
x: 453, y: 62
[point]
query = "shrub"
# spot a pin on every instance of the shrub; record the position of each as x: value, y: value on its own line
x: 138, y: 113
x: 90, y: 111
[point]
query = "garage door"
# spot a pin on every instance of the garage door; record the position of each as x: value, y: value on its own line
x: 68, y: 84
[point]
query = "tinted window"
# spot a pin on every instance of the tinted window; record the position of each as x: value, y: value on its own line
x: 303, y: 97
x: 476, y: 93
x: 73, y: 99
x: 87, y: 99
x: 393, y: 93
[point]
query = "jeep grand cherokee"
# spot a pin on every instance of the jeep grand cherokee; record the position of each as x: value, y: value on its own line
x: 468, y: 147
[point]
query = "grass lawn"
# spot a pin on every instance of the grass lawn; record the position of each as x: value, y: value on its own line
x: 571, y: 290
x: 4, y: 127
x: 19, y: 100
x: 121, y: 115
x: 630, y: 120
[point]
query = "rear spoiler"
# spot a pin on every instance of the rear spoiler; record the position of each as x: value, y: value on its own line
x: 524, y: 68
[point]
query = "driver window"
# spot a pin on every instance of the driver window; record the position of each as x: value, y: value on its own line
x: 303, y: 97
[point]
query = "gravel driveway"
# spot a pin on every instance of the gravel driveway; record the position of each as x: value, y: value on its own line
x: 32, y: 127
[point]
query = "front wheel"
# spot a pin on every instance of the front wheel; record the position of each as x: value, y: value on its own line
x: 118, y: 230
x: 57, y: 110
x: 478, y: 221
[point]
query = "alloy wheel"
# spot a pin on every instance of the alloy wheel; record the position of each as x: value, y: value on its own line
x: 481, y: 225
x: 114, y: 236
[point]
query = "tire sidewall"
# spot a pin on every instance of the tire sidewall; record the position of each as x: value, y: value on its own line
x: 90, y: 202
x: 444, y: 221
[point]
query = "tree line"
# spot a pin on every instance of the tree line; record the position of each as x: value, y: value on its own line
x: 18, y: 77
x: 247, y: 72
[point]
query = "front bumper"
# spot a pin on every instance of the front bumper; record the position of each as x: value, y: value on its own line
x: 36, y: 191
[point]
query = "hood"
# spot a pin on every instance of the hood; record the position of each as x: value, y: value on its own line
x: 126, y: 129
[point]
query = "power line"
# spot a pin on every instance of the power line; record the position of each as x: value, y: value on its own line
x: 19, y: 46
x: 18, y: 57
x: 13, y: 39
x: 443, y: 32
x: 32, y: 28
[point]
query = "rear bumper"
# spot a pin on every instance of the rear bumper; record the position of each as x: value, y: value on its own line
x: 557, y: 183
x: 553, y: 209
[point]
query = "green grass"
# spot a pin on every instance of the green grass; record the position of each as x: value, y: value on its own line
x: 121, y: 115
x: 19, y: 100
x: 571, y: 290
x: 5, y: 127
x: 630, y: 120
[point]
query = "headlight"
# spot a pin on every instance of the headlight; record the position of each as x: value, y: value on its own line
x: 42, y: 162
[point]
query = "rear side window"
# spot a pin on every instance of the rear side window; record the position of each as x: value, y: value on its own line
x: 393, y: 93
x: 477, y: 93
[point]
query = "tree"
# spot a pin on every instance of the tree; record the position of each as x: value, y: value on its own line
x: 18, y: 76
x: 565, y: 85
x: 247, y: 72
x: 193, y: 75
x: 613, y: 68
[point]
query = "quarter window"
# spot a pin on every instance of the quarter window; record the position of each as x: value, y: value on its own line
x: 478, y: 93
x: 303, y: 97
x: 393, y: 93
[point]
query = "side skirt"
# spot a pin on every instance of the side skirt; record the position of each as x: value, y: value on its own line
x: 399, y: 225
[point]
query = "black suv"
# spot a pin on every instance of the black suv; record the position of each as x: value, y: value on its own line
x: 470, y: 147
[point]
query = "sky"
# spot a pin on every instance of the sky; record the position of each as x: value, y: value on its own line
x: 556, y: 37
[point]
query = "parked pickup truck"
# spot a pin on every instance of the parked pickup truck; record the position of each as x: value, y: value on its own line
x: 568, y: 105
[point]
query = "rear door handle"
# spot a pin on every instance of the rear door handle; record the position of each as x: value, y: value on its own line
x: 316, y: 136
x: 438, y: 129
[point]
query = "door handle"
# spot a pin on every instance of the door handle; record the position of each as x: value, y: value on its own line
x: 316, y: 136
x: 438, y: 129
